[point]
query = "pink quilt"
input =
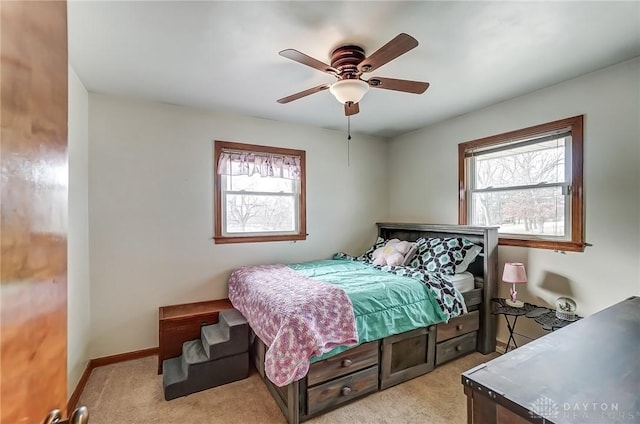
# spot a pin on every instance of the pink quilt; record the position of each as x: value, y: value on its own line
x: 295, y: 316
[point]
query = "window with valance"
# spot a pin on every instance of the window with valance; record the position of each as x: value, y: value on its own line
x: 259, y: 193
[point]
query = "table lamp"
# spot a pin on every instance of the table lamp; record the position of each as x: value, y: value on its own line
x: 514, y: 274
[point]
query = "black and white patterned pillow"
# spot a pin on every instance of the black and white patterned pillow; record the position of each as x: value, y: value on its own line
x: 441, y: 255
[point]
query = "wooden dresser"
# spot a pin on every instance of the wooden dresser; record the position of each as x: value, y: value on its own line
x: 587, y: 372
x: 180, y: 323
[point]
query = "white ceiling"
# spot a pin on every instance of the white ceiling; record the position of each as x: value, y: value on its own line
x: 224, y: 55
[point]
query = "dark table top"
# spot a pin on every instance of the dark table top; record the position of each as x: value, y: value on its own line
x: 587, y: 372
x: 544, y: 316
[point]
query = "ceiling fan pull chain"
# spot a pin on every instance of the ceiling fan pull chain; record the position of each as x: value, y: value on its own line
x: 348, y: 139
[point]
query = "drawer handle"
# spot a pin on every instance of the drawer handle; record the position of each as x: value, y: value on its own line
x: 347, y: 363
x: 345, y: 390
x: 458, y: 348
x: 459, y: 327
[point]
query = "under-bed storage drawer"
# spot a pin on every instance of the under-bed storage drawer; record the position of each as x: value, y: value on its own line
x: 340, y: 390
x: 346, y: 362
x: 455, y: 347
x: 458, y: 326
x: 407, y: 355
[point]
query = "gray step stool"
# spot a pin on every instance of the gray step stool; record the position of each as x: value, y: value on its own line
x: 220, y: 356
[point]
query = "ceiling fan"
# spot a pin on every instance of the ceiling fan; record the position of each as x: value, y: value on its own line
x: 348, y: 63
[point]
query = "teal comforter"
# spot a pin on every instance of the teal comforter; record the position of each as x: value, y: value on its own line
x: 384, y: 304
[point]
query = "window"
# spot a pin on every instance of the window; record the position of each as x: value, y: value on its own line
x: 259, y: 193
x: 528, y: 182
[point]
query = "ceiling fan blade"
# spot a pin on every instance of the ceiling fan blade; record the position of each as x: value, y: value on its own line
x: 415, y: 87
x: 351, y: 108
x: 303, y: 93
x: 299, y: 57
x: 385, y: 54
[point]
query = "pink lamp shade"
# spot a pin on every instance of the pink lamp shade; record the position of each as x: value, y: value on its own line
x: 513, y: 274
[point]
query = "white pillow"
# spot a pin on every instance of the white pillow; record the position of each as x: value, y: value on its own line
x: 468, y: 259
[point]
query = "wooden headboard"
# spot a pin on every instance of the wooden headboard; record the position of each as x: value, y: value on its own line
x: 484, y: 268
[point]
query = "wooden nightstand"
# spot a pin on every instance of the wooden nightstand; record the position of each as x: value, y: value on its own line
x: 180, y: 323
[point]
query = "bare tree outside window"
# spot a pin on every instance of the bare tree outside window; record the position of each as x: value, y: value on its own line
x: 528, y: 183
x: 522, y: 211
x: 259, y: 193
x: 259, y: 204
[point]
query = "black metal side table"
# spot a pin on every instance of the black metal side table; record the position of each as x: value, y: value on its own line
x: 510, y: 311
x: 544, y: 316
x: 548, y: 320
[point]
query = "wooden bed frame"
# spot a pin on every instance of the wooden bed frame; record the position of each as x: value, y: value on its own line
x: 383, y: 363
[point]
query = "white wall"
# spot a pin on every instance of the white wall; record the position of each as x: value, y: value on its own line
x: 151, y: 218
x: 78, y: 285
x: 423, y: 179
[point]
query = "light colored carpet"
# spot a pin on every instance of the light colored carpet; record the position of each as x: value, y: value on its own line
x: 131, y: 393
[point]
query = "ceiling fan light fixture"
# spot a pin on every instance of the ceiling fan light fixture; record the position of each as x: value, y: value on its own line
x: 349, y: 90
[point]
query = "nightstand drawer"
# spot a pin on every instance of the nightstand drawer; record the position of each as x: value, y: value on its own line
x: 453, y: 348
x: 342, y: 390
x: 346, y: 362
x: 458, y: 326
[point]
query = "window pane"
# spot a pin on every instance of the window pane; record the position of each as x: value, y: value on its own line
x: 258, y: 183
x: 539, y: 211
x: 260, y: 213
x: 532, y: 164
